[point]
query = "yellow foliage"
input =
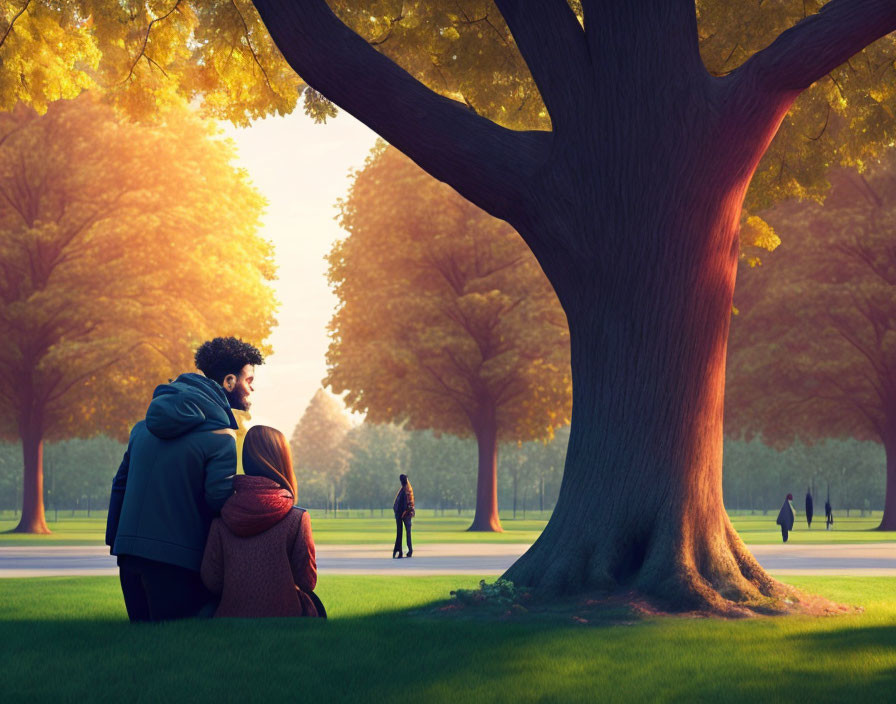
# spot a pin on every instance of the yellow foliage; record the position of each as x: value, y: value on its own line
x: 122, y: 246
x: 445, y: 317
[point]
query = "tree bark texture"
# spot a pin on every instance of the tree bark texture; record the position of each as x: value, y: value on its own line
x: 486, y: 516
x: 631, y: 206
x: 637, y: 232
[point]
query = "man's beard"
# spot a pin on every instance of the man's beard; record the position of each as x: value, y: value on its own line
x: 237, y: 400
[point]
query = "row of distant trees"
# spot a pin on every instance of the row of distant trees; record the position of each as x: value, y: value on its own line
x: 77, y: 474
x: 443, y: 473
x: 758, y: 477
x: 341, y: 466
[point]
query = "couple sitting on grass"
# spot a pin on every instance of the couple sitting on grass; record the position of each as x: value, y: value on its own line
x: 181, y: 469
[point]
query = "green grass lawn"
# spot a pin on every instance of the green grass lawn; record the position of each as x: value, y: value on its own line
x: 67, y: 640
x: 359, y: 528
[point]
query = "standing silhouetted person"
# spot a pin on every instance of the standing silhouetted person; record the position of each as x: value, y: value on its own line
x: 809, y: 507
x: 404, y: 512
x: 828, y: 514
x: 786, y: 516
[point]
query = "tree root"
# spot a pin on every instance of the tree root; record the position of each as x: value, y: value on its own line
x: 718, y: 578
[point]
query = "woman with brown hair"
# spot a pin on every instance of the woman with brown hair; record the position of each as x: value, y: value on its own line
x: 260, y: 553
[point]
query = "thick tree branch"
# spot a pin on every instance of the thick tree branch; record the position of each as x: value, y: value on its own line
x: 484, y: 162
x: 644, y: 37
x: 552, y: 43
x: 818, y: 44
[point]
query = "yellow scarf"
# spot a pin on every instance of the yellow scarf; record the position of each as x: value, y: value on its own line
x: 244, y: 422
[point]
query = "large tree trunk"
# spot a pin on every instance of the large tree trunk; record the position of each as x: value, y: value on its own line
x: 888, y: 522
x: 640, y: 504
x: 631, y: 205
x: 486, y: 516
x: 32, y: 520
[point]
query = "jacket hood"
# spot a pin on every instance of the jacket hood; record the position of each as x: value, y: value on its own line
x: 258, y: 504
x: 190, y: 403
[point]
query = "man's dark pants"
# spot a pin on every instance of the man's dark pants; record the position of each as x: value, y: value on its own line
x: 407, y: 527
x: 157, y: 591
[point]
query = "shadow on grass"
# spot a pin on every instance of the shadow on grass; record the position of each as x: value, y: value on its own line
x: 879, y: 638
x: 68, y: 640
x: 384, y: 657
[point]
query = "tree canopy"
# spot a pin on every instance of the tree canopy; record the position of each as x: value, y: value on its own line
x: 113, y: 265
x: 442, y: 310
x: 144, y: 54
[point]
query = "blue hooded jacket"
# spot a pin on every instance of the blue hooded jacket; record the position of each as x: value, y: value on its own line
x: 176, y: 474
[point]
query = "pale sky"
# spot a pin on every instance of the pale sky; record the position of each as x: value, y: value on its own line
x: 301, y: 168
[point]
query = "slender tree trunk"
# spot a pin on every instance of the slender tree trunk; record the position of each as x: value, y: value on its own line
x: 888, y: 521
x: 33, y: 519
x: 486, y: 517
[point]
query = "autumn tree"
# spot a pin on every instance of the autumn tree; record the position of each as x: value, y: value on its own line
x: 121, y: 247
x: 813, y: 351
x: 632, y: 204
x: 319, y: 447
x: 444, y: 319
x: 619, y: 139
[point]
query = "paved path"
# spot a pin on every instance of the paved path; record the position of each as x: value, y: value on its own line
x: 878, y: 559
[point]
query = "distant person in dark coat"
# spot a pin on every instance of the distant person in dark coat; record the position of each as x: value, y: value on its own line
x: 403, y: 507
x: 786, y: 517
x: 175, y: 476
x: 809, y: 508
x: 828, y: 514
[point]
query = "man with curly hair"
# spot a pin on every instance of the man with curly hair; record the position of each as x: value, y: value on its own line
x: 175, y: 476
x: 220, y: 360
